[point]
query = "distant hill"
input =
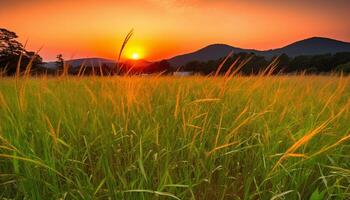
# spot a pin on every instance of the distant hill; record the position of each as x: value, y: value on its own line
x: 90, y: 62
x: 83, y: 61
x: 211, y: 52
x: 313, y: 46
x: 310, y: 46
x: 96, y: 62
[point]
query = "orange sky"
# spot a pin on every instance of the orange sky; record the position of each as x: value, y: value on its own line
x: 164, y: 28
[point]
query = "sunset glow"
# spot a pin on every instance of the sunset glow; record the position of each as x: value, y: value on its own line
x: 165, y: 28
x: 135, y: 56
x: 134, y: 52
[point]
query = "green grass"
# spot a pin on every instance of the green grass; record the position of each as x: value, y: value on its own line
x: 261, y: 137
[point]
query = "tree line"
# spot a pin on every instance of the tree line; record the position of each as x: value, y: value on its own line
x: 311, y: 64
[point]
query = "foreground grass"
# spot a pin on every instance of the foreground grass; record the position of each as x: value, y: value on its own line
x: 175, y: 138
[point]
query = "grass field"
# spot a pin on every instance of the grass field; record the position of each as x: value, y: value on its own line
x: 259, y: 137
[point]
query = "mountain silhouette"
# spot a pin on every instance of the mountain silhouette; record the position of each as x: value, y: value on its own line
x: 97, y: 62
x: 310, y: 46
x: 313, y: 46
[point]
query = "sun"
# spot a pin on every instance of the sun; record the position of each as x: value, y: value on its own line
x: 134, y: 52
x: 135, y: 56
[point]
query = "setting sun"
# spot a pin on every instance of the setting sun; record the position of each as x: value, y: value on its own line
x: 135, y: 52
x: 135, y: 56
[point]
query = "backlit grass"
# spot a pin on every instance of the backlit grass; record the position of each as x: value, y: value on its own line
x: 259, y: 137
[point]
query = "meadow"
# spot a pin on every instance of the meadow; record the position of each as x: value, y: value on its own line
x: 164, y: 137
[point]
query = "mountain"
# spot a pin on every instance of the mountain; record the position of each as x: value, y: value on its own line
x: 90, y: 62
x: 96, y: 62
x: 83, y: 61
x: 310, y: 46
x: 313, y: 46
x: 211, y: 52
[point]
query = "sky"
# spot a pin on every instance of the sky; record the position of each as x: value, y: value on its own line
x: 165, y: 28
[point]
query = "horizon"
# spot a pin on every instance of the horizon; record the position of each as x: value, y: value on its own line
x: 195, y: 50
x: 164, y: 29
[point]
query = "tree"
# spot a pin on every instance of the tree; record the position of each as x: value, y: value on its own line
x: 59, y: 62
x: 9, y: 46
x: 158, y: 67
x: 12, y: 52
x: 283, y: 63
x: 345, y: 68
x: 192, y: 66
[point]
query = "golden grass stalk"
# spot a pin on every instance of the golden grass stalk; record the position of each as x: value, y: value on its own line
x: 307, y: 137
x: 222, y: 63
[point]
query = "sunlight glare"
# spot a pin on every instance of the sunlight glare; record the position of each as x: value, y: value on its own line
x: 135, y: 56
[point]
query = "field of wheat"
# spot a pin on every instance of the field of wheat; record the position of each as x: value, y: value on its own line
x: 164, y: 137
